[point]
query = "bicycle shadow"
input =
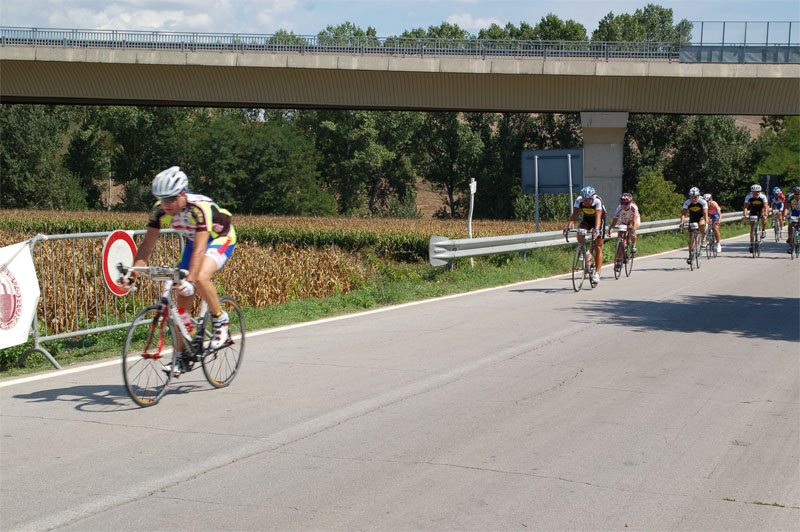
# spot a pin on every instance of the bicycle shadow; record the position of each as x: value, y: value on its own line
x: 727, y: 317
x: 99, y: 398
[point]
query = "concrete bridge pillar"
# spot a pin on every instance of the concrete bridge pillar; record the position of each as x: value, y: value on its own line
x: 603, y: 138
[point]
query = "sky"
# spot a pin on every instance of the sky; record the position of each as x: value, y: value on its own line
x: 388, y: 17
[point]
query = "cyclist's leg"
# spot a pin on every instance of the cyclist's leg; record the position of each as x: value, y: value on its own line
x: 218, y: 251
x: 184, y: 301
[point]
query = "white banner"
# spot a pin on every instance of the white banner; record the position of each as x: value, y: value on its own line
x: 19, y: 294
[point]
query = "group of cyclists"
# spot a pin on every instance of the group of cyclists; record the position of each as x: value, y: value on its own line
x: 211, y: 238
x: 698, y: 208
x: 757, y: 204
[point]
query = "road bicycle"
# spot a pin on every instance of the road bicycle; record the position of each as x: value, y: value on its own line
x: 695, y: 250
x: 711, y: 241
x: 583, y: 266
x: 150, y: 359
x: 623, y: 258
x: 776, y: 224
x: 756, y: 242
x: 794, y: 233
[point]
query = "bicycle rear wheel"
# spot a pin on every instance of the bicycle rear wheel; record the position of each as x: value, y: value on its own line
x: 579, y: 268
x: 220, y: 366
x: 628, y: 260
x: 147, y: 351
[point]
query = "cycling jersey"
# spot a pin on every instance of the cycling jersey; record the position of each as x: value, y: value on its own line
x: 776, y: 201
x: 794, y: 204
x: 756, y: 203
x: 695, y: 209
x: 714, y: 211
x: 629, y: 216
x: 200, y: 214
x: 591, y: 212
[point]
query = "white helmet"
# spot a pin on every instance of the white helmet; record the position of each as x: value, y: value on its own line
x: 707, y: 197
x: 755, y: 188
x: 694, y: 191
x: 169, y: 183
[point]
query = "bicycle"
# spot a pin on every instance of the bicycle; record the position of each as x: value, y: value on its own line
x: 695, y: 250
x: 582, y: 261
x: 776, y: 224
x: 756, y: 243
x: 149, y: 362
x: 711, y: 241
x: 795, y: 234
x: 622, y: 255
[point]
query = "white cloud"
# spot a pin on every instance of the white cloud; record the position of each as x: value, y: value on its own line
x: 468, y: 22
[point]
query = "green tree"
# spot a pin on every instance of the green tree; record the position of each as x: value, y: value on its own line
x: 450, y: 150
x: 650, y: 141
x: 781, y: 152
x: 656, y: 196
x: 712, y: 153
x: 31, y: 172
x: 550, y: 28
x: 347, y: 34
x: 651, y: 24
x: 252, y: 166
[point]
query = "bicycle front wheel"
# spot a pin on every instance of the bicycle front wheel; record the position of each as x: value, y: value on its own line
x: 619, y: 258
x: 698, y: 251
x: 221, y: 365
x: 146, y: 354
x: 579, y: 268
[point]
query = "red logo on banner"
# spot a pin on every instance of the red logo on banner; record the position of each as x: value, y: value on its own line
x: 10, y: 300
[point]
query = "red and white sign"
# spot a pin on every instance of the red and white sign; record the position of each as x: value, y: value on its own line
x: 118, y: 248
x: 19, y: 294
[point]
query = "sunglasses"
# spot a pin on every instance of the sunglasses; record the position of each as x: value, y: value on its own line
x: 172, y: 199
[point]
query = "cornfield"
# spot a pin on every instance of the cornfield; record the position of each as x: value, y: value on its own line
x: 277, y: 259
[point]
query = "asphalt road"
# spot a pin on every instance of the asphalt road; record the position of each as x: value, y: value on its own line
x: 669, y: 400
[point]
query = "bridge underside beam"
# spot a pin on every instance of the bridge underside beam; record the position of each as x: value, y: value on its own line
x: 572, y: 88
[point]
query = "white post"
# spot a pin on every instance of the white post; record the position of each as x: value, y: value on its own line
x: 109, y: 190
x: 536, y: 187
x: 473, y: 186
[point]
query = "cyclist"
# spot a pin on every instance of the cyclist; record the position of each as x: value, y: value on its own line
x: 697, y: 208
x: 714, y: 217
x: 590, y: 205
x: 627, y: 213
x: 776, y: 201
x: 210, y: 240
x: 755, y: 204
x: 792, y: 208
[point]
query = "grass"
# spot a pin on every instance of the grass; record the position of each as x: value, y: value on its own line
x: 393, y: 283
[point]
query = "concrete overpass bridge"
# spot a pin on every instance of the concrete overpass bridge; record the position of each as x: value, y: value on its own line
x: 602, y: 81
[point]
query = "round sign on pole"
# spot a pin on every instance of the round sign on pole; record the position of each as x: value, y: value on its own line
x: 118, y: 248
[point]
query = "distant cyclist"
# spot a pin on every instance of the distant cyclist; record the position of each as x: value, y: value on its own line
x: 697, y: 209
x: 792, y: 208
x: 210, y: 239
x: 755, y: 204
x: 627, y: 213
x: 776, y: 202
x: 714, y: 218
x: 593, y: 217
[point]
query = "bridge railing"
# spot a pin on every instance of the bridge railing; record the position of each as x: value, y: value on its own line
x: 366, y: 45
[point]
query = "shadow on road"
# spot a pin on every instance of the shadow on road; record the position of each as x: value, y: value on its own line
x: 97, y: 398
x: 766, y: 318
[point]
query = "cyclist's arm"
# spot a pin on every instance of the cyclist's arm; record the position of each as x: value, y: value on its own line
x: 705, y: 215
x: 746, y: 210
x: 199, y: 251
x: 683, y: 215
x: 145, y: 249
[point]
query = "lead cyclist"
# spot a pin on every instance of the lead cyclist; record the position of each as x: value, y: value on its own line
x: 210, y: 240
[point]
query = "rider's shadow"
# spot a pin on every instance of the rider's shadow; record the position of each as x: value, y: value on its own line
x: 97, y: 398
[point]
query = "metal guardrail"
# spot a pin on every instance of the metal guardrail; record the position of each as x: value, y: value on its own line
x: 366, y: 45
x: 74, y: 300
x: 444, y: 251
